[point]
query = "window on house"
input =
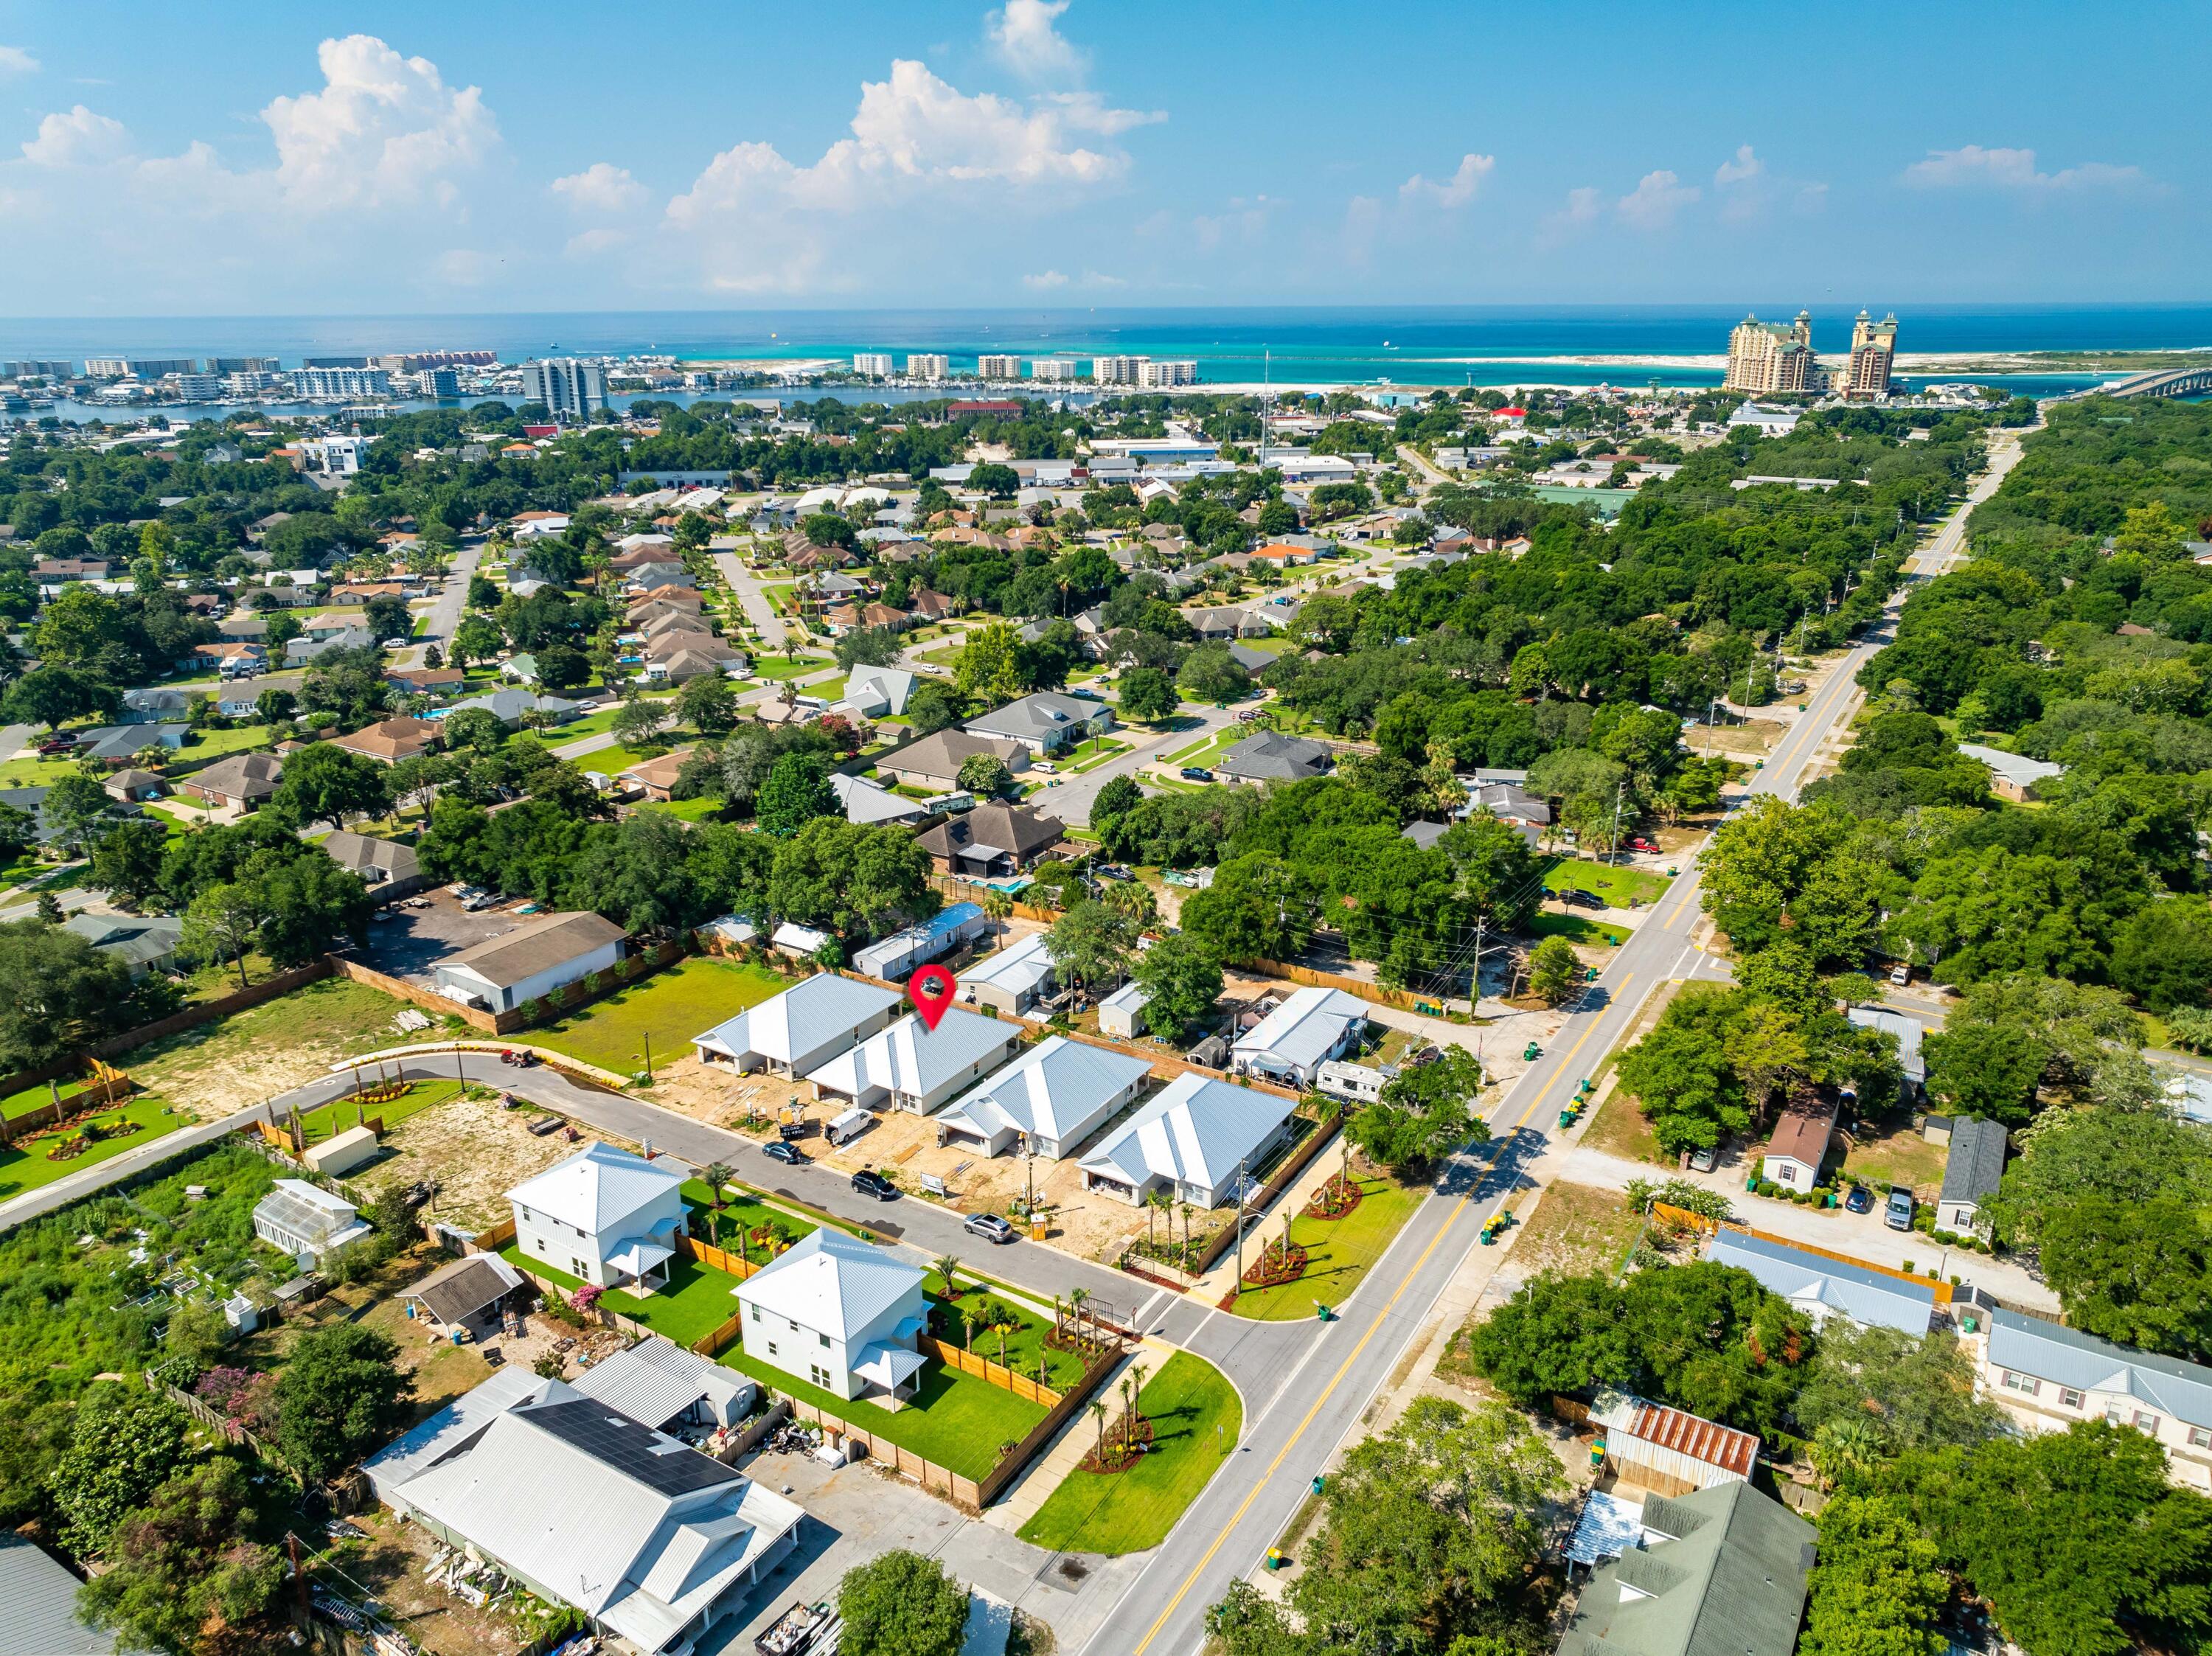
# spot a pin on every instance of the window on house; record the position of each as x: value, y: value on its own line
x: 576, y: 1268
x: 771, y: 1348
x: 2200, y: 1437
x: 824, y: 1339
x: 2070, y: 1397
x: 755, y: 1314
x: 2026, y: 1385
x: 2147, y: 1424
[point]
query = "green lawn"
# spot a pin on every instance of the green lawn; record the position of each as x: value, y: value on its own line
x: 670, y: 1006
x: 1196, y: 1415
x: 697, y: 1301
x: 689, y: 811
x: 1020, y: 1347
x: 37, y: 1097
x: 24, y: 1167
x: 1598, y: 934
x: 1092, y: 754
x: 1207, y: 751
x: 1340, y: 1252
x: 1615, y: 885
x: 957, y: 1420
x: 340, y: 1115
x: 774, y: 666
x: 594, y: 724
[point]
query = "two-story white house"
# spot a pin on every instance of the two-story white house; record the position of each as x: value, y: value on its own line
x: 839, y: 1314
x: 604, y: 1215
x: 2047, y: 1376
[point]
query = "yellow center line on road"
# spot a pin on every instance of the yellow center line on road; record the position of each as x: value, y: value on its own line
x: 1567, y: 1063
x: 1291, y: 1442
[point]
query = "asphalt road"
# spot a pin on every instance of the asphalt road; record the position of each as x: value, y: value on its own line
x: 446, y: 611
x: 757, y: 609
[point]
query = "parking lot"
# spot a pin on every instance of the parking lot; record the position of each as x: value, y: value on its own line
x: 415, y: 939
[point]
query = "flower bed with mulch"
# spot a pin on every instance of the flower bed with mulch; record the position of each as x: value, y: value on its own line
x: 1275, y: 1266
x: 1335, y: 1199
x: 1125, y: 1447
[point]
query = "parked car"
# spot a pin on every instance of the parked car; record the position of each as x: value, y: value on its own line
x: 871, y: 1183
x: 991, y: 1226
x: 1860, y: 1200
x: 1900, y: 974
x: 1112, y: 871
x: 1045, y: 766
x: 1576, y: 897
x: 1196, y: 773
x: 1641, y: 844
x: 1701, y: 1160
x: 1898, y: 1214
x: 397, y: 643
x: 54, y: 745
x: 790, y: 1155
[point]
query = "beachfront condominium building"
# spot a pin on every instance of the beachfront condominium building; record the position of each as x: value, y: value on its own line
x: 924, y: 365
x: 998, y: 368
x: 105, y: 367
x: 876, y: 365
x: 1766, y: 357
x: 1055, y: 368
x: 341, y: 383
x: 1166, y: 372
x: 1117, y: 370
x: 1874, y: 350
x: 571, y: 390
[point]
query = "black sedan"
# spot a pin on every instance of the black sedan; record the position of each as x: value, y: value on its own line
x: 870, y: 1183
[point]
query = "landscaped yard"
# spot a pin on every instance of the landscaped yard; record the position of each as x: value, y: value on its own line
x: 1339, y: 1252
x: 670, y: 1007
x: 958, y: 1421
x: 1900, y: 1157
x: 1196, y: 1415
x: 37, y: 1097
x: 24, y: 1166
x: 697, y: 1301
x: 340, y: 1115
x: 1615, y: 885
x: 1204, y: 752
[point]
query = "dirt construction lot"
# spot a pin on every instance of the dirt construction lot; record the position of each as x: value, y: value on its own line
x: 476, y: 1150
x: 267, y: 1049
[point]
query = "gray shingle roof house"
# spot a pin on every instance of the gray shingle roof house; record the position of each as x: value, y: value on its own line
x: 1271, y: 757
x: 389, y: 869
x: 991, y: 841
x: 1044, y: 723
x: 1971, y: 1174
x: 934, y: 762
x: 1824, y: 1287
x: 1720, y: 1572
x: 2048, y: 1376
x: 244, y: 778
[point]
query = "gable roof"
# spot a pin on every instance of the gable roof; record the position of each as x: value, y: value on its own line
x: 1802, y: 1130
x: 801, y: 1020
x: 41, y: 1600
x: 993, y: 827
x: 895, y: 684
x: 1018, y: 969
x: 1040, y: 716
x: 1273, y: 756
x: 1803, y: 1278
x: 457, y: 1291
x: 866, y: 801
x: 1976, y: 1164
x: 1049, y: 1091
x: 940, y: 755
x: 538, y: 945
x: 911, y: 1058
x: 1195, y: 1131
x: 362, y: 851
x: 1908, y: 1031
x: 1303, y: 1027
x: 833, y: 1283
x: 597, y: 1188
x: 2066, y: 1357
x: 1721, y: 1573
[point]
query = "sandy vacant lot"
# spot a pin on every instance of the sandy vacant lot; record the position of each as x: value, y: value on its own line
x: 476, y: 1150
x: 267, y: 1049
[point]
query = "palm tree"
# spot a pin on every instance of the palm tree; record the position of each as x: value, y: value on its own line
x: 1098, y: 1414
x: 1133, y: 1388
x: 996, y: 905
x: 1134, y: 902
x: 717, y: 1174
x: 1075, y: 1296
x: 945, y: 1265
x: 1129, y: 1413
x: 1847, y: 1446
x: 1187, y: 1211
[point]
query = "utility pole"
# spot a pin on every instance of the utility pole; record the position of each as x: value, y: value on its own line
x: 1239, y: 1283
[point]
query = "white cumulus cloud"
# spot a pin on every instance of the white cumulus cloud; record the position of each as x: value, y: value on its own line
x: 1045, y: 281
x: 383, y: 129
x: 1658, y: 197
x: 79, y: 138
x: 602, y: 187
x: 14, y: 60
x: 1740, y: 168
x: 1456, y: 191
x: 1026, y: 41
x: 1972, y: 166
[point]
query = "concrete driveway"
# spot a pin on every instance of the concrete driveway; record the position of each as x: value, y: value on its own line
x: 408, y: 946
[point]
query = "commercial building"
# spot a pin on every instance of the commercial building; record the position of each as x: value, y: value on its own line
x: 928, y: 365
x: 1162, y: 374
x: 876, y: 365
x: 603, y: 1215
x: 1118, y: 370
x: 343, y: 383
x: 998, y: 368
x: 572, y: 390
x: 545, y: 954
x: 1874, y: 352
x: 1766, y: 357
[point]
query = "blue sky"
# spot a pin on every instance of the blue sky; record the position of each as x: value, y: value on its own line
x: 240, y: 160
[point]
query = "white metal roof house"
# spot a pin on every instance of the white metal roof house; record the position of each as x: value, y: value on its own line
x: 1908, y: 1032
x: 1193, y: 1138
x: 2048, y: 1376
x: 548, y: 952
x: 838, y: 1312
x: 307, y: 1222
x: 1053, y: 1097
x: 658, y: 1383
x: 1013, y: 980
x: 41, y: 1599
x: 910, y: 1066
x: 800, y: 1029
x: 879, y: 690
x: 2011, y: 775
x: 871, y: 802
x: 1044, y: 723
x: 605, y: 1215
x: 584, y: 1505
x: 1310, y: 1027
x: 1823, y: 1287
x: 1122, y: 1012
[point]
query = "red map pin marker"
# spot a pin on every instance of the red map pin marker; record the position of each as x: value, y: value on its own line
x: 931, y: 991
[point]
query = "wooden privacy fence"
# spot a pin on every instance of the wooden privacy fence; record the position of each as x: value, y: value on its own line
x: 1667, y: 1213
x: 938, y: 1480
x: 1405, y: 999
x: 1296, y: 1162
x: 1016, y: 1461
x: 232, y: 1431
x: 983, y: 1368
